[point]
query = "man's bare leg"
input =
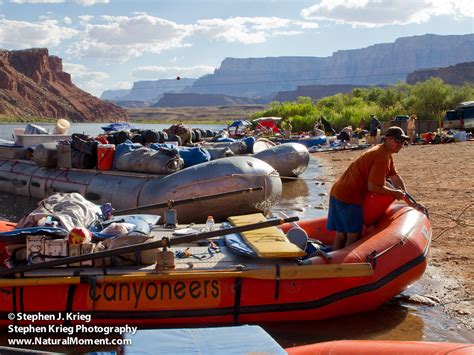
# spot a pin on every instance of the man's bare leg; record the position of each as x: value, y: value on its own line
x: 340, y: 241
x: 352, y: 238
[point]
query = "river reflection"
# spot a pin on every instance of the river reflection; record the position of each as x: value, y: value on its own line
x: 306, y: 196
x: 391, y: 321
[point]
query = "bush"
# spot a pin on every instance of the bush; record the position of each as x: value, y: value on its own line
x: 428, y: 100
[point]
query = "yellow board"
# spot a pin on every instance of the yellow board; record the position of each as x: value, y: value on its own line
x: 268, y: 242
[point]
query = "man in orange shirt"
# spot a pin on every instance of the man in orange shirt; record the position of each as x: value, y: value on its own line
x: 367, y: 173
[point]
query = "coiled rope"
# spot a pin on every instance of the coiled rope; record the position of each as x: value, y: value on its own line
x: 459, y: 222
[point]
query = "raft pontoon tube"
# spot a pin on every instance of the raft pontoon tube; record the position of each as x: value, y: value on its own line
x: 128, y: 190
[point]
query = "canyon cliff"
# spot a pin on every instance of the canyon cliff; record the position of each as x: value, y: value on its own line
x: 153, y: 90
x: 180, y: 100
x: 33, y: 84
x: 379, y: 64
x: 455, y: 74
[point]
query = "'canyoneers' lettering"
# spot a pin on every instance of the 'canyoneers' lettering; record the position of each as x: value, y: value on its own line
x: 153, y: 295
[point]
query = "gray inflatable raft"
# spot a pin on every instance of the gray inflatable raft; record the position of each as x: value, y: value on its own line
x: 127, y: 190
x: 288, y: 159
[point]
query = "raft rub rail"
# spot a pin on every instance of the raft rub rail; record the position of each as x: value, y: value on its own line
x: 286, y: 272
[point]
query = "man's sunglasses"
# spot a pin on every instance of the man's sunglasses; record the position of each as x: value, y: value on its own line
x: 399, y: 140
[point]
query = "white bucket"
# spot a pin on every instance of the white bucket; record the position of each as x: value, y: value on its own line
x: 17, y: 132
x: 62, y: 126
x: 172, y: 145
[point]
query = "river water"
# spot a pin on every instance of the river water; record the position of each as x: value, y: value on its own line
x: 307, y: 198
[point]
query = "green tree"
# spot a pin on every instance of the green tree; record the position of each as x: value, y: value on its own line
x: 431, y: 98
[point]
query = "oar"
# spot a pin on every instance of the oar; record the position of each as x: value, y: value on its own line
x: 188, y: 200
x: 165, y: 242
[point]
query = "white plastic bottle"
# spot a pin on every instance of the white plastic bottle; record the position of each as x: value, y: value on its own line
x: 210, y: 224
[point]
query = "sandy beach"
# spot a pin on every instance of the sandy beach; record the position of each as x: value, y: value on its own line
x: 441, y: 177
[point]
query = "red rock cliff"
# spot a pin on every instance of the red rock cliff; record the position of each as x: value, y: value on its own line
x: 33, y: 84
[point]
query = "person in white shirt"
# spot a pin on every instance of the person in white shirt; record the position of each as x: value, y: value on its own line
x: 411, y: 128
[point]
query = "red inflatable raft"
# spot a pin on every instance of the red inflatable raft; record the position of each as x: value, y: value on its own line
x: 226, y: 288
x: 386, y: 347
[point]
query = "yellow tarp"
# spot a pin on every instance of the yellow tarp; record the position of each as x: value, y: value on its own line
x: 268, y: 242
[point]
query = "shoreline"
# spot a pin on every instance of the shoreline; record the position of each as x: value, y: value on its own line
x: 440, y: 177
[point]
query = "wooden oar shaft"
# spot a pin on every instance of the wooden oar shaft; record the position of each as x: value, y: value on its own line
x: 188, y: 200
x: 286, y: 272
x: 144, y: 246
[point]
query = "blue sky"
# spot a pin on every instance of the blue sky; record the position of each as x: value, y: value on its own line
x: 109, y: 44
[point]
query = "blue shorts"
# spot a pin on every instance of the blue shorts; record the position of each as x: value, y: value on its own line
x: 344, y: 217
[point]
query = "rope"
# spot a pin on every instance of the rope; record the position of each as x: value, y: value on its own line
x: 457, y: 301
x: 457, y: 220
x: 285, y: 177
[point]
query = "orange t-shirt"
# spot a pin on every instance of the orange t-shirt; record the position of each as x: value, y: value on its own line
x: 375, y: 166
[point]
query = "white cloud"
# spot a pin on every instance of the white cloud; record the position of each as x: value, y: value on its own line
x: 80, y: 2
x: 157, y: 72
x: 91, y: 2
x: 67, y: 20
x: 85, y: 18
x: 20, y: 34
x: 122, y: 37
x: 87, y: 80
x: 119, y: 38
x: 377, y: 13
x: 286, y: 33
x: 247, y: 30
x: 37, y: 1
x: 123, y: 85
x: 307, y: 25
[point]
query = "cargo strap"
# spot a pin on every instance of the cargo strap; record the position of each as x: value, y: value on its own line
x: 277, y: 281
x: 238, y: 294
x: 22, y: 301
x: 15, y: 311
x: 92, y: 280
x: 71, y: 291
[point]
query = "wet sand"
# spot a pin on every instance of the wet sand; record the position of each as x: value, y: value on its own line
x: 441, y: 177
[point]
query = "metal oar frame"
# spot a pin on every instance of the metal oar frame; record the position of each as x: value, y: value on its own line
x: 165, y: 243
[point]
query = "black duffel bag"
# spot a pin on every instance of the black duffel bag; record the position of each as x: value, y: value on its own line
x: 82, y: 160
x: 136, y: 138
x: 84, y: 144
x: 150, y: 136
x: 163, y: 137
x: 121, y: 136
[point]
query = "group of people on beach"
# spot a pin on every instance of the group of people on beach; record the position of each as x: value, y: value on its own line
x: 375, y: 128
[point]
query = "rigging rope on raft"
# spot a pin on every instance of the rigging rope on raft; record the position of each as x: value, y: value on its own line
x: 286, y: 177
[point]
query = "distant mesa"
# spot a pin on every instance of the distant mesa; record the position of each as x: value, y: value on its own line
x: 33, y: 84
x: 114, y: 95
x: 275, y: 78
x: 379, y: 64
x: 131, y: 104
x: 455, y: 74
x: 180, y: 100
x: 149, y: 90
